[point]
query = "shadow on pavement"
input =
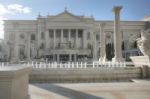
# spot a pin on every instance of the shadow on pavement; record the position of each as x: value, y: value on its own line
x: 66, y: 92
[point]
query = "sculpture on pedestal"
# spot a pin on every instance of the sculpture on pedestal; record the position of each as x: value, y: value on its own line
x: 144, y: 42
x: 144, y: 45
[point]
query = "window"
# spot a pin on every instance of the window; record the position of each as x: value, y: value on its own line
x: 97, y: 37
x: 135, y: 44
x: 21, y: 36
x: 12, y: 36
x: 42, y: 35
x: 89, y: 46
x: 58, y: 33
x: 73, y: 32
x: 80, y: 33
x: 42, y: 46
x: 51, y: 33
x: 22, y: 52
x: 88, y: 35
x: 65, y: 31
x: 32, y: 37
x: 108, y: 36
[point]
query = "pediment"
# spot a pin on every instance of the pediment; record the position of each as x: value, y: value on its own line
x: 66, y: 16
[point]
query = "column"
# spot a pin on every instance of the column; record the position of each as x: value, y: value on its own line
x: 54, y: 58
x: 28, y: 51
x: 62, y: 35
x: 69, y: 38
x: 76, y: 39
x: 54, y: 38
x: 84, y: 39
x: 69, y: 35
x: 8, y: 52
x: 39, y: 30
x: 102, y: 43
x: 57, y: 57
x: 16, y: 49
x: 47, y: 39
x: 94, y: 46
x: 75, y: 57
x: 117, y: 35
x: 70, y: 57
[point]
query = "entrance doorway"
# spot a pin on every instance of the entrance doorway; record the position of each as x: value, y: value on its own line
x: 64, y: 58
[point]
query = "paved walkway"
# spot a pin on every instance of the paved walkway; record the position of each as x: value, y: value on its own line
x: 139, y: 90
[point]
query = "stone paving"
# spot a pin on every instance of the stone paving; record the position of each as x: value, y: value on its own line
x: 125, y: 90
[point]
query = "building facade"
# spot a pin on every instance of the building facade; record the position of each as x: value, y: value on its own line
x: 67, y: 37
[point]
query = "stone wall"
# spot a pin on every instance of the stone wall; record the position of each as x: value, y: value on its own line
x: 85, y: 74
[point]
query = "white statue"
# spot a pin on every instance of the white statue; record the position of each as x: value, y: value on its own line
x: 144, y: 42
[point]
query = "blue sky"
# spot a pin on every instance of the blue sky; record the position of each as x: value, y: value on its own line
x: 100, y: 9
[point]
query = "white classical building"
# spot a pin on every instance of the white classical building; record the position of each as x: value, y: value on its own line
x: 69, y: 37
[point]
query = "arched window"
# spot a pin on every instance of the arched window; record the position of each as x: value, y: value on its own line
x: 89, y: 46
x: 42, y: 46
x: 21, y: 36
x: 32, y: 37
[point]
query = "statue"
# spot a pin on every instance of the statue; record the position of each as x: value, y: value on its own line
x: 144, y: 42
x: 144, y: 45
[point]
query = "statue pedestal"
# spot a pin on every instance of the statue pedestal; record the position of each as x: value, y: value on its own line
x: 140, y: 60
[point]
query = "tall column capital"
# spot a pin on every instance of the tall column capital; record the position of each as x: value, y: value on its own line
x: 116, y: 9
x: 117, y: 35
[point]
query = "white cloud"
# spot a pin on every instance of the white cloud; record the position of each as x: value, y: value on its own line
x: 3, y: 10
x: 15, y: 8
x: 1, y: 27
x: 11, y: 9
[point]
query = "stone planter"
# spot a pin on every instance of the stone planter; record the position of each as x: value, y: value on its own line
x: 14, y: 82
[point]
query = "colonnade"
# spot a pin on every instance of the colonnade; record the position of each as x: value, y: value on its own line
x: 69, y: 33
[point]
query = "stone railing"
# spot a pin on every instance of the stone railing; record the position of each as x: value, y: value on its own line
x: 76, y: 65
x: 96, y: 74
x: 83, y: 72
